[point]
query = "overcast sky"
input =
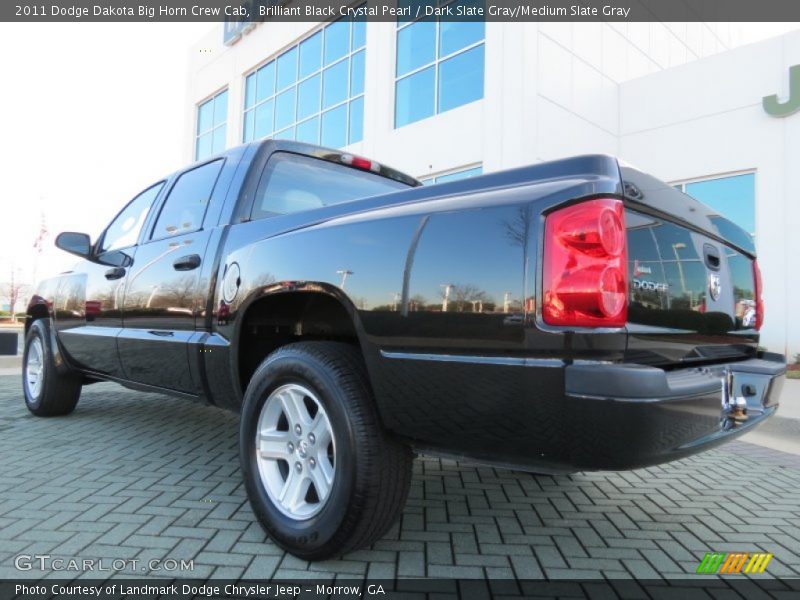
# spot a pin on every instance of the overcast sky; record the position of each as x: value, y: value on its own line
x: 92, y: 113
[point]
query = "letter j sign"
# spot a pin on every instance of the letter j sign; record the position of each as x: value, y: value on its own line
x: 775, y: 107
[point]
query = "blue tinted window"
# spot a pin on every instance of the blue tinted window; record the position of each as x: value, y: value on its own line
x: 218, y: 143
x: 357, y: 120
x: 285, y: 134
x: 203, y: 147
x: 334, y: 127
x: 456, y: 35
x: 337, y: 41
x: 265, y: 113
x: 287, y: 96
x: 249, y: 124
x: 414, y: 97
x: 211, y: 127
x: 461, y: 79
x: 220, y: 108
x: 416, y: 46
x: 451, y: 56
x: 334, y: 84
x: 205, y: 116
x: 308, y: 97
x: 308, y: 131
x: 357, y: 74
x: 287, y: 69
x: 292, y: 183
x: 359, y: 34
x: 284, y: 108
x: 732, y: 197
x: 456, y: 175
x: 250, y: 90
x: 265, y: 82
x: 311, y: 55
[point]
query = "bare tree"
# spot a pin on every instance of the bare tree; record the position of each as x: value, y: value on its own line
x: 417, y: 302
x: 14, y: 291
x: 467, y: 294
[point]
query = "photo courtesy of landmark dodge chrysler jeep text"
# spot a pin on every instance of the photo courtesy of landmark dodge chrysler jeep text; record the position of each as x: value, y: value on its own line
x: 571, y: 315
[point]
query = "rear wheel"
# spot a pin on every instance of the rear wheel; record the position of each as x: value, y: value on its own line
x: 48, y: 391
x: 322, y: 476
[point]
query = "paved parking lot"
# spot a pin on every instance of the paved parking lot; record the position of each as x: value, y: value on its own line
x: 143, y: 476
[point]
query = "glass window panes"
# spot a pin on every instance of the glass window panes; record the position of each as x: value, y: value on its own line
x: 457, y: 35
x: 359, y: 34
x: 205, y: 116
x: 357, y: 120
x: 186, y: 204
x: 337, y: 40
x: 416, y: 46
x: 308, y: 97
x: 334, y: 127
x: 291, y: 96
x: 311, y: 55
x: 308, y: 131
x: 284, y: 108
x: 212, y: 116
x: 265, y: 81
x: 733, y: 197
x: 414, y: 97
x: 265, y: 114
x: 451, y: 56
x: 287, y: 69
x: 292, y: 183
x: 357, y: 73
x: 124, y: 229
x: 453, y: 176
x: 461, y: 79
x: 334, y: 84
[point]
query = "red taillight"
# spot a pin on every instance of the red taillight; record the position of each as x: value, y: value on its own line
x: 359, y: 162
x: 585, y: 275
x: 758, y: 290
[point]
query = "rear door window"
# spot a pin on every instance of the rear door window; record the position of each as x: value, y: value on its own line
x: 292, y: 183
x: 186, y: 205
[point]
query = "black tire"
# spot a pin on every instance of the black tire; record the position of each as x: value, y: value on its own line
x: 59, y: 389
x: 373, y: 471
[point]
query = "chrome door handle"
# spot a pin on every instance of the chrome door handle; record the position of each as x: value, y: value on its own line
x: 187, y: 263
x: 115, y: 273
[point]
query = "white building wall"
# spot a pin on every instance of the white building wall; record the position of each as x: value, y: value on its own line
x: 664, y: 97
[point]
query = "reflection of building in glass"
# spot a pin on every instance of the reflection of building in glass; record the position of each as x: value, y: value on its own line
x: 734, y: 197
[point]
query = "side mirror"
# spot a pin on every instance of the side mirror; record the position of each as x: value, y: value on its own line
x: 79, y: 244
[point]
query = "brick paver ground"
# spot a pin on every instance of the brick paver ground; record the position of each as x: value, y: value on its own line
x: 144, y: 476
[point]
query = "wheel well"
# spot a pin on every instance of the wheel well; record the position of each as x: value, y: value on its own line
x: 38, y: 311
x: 288, y: 318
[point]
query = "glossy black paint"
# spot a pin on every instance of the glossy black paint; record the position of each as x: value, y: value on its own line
x: 438, y: 285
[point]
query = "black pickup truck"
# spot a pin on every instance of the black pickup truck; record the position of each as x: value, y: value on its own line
x: 571, y: 315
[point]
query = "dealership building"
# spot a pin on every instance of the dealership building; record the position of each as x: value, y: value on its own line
x: 443, y: 100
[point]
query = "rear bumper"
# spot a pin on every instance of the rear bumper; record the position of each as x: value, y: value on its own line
x: 625, y: 416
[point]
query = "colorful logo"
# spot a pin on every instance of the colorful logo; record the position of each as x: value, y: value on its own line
x: 734, y: 562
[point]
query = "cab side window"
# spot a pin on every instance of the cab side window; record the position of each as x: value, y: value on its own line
x: 123, y: 231
x: 185, y: 207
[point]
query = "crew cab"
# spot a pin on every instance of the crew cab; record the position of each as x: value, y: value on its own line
x: 570, y: 315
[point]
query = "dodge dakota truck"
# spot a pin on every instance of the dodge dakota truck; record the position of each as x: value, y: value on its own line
x: 570, y: 315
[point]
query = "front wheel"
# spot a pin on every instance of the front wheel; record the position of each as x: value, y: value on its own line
x: 322, y: 476
x: 48, y: 391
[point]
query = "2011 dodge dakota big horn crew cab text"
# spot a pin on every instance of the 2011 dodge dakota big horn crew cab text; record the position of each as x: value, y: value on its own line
x: 571, y: 315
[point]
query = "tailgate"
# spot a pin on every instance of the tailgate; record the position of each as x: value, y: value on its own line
x: 692, y: 297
